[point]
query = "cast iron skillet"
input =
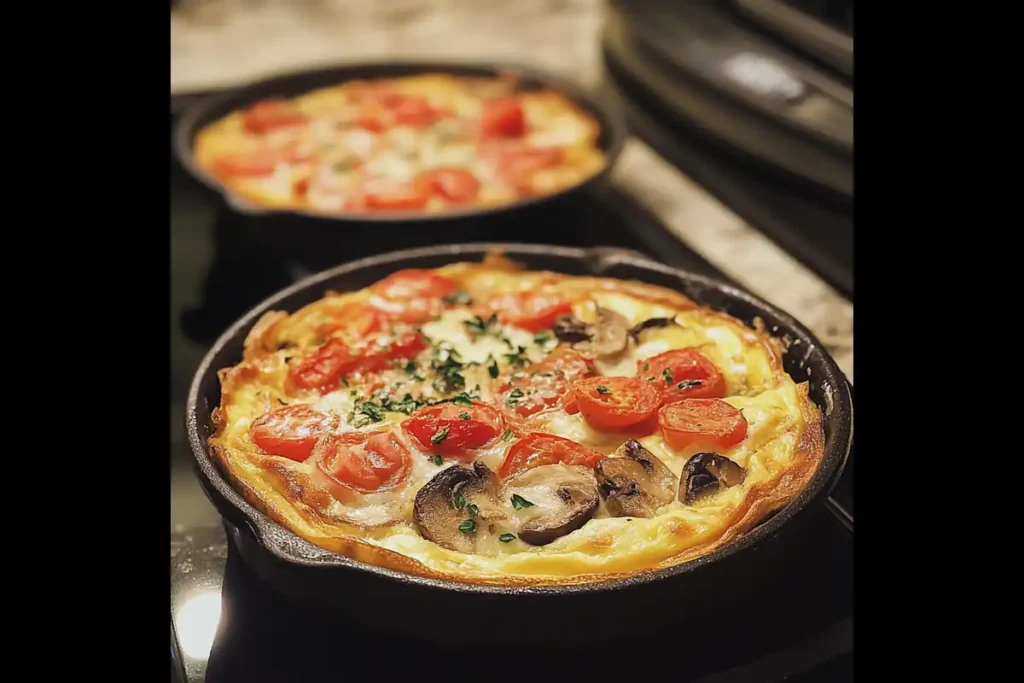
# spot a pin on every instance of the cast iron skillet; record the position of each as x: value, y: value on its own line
x: 353, y: 233
x: 720, y: 585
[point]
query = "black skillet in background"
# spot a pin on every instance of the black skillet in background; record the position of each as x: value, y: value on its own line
x: 703, y: 592
x: 322, y: 240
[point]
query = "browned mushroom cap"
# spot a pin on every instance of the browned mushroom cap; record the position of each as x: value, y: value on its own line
x: 551, y: 501
x: 450, y: 508
x: 606, y: 336
x: 705, y: 474
x: 636, y: 484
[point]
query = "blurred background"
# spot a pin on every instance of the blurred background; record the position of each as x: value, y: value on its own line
x: 739, y: 165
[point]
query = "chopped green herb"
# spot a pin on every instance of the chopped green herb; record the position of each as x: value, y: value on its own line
x: 449, y: 372
x: 410, y: 367
x: 516, y: 393
x: 541, y: 337
x: 507, y: 436
x: 459, y: 298
x: 464, y: 416
x: 517, y: 359
x: 507, y: 538
x: 419, y: 378
x: 478, y: 326
x: 492, y: 369
x: 436, y: 459
x: 647, y: 366
x: 407, y: 405
x: 602, y: 389
x: 439, y: 436
x: 518, y: 502
x: 284, y: 403
x: 367, y: 412
x: 472, y: 509
x: 667, y: 374
x: 459, y: 501
x: 462, y: 400
x: 467, y: 527
x: 344, y: 382
x: 508, y: 342
x: 354, y: 392
x: 688, y: 384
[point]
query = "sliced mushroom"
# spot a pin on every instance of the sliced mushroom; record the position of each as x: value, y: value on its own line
x: 571, y: 330
x: 606, y: 336
x: 454, y: 497
x: 636, y: 484
x: 551, y: 501
x: 705, y: 474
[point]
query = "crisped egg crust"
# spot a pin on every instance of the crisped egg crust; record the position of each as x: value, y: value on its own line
x: 782, y: 449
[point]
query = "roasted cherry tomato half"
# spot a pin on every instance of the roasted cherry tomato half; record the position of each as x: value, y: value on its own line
x: 292, y: 431
x: 708, y: 421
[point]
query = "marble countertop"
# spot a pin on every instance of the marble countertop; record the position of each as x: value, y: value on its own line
x: 220, y: 43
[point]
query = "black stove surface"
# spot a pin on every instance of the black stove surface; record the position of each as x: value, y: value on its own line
x: 802, y: 632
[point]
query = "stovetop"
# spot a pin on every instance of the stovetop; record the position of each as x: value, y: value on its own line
x: 226, y: 626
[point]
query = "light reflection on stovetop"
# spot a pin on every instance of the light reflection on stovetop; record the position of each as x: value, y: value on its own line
x: 230, y: 627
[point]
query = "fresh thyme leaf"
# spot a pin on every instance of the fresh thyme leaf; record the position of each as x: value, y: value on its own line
x: 467, y: 527
x: 507, y: 436
x: 436, y: 459
x: 439, y: 436
x: 472, y: 509
x: 602, y: 389
x: 519, y: 503
x: 507, y: 538
x: 459, y: 501
x: 667, y: 374
x: 688, y: 384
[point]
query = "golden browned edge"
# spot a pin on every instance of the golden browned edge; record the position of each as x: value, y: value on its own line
x: 295, y: 514
x: 210, y: 131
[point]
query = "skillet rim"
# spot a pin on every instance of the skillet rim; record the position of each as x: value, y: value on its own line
x: 273, y: 537
x: 603, y: 106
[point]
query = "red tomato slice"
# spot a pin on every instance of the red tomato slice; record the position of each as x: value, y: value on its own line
x: 257, y: 163
x: 531, y: 393
x: 519, y: 165
x: 455, y: 429
x: 267, y: 115
x: 536, y: 449
x: 400, y: 198
x: 352, y: 322
x: 610, y: 404
x: 457, y: 185
x: 530, y: 311
x: 362, y: 462
x: 682, y: 373
x: 292, y: 431
x: 325, y: 367
x: 412, y: 295
x: 702, y: 421
x: 414, y: 111
x: 502, y: 118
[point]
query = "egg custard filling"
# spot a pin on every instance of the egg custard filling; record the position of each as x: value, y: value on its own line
x: 488, y: 424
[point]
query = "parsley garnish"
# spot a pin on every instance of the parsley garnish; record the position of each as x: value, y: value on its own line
x: 459, y: 501
x: 439, y: 436
x: 518, y: 502
x: 368, y: 412
x: 507, y: 436
x: 667, y: 374
x: 467, y: 527
x: 517, y: 359
x: 493, y: 369
x: 410, y: 367
x: 647, y: 366
x: 436, y: 459
x: 507, y: 538
x: 514, y: 396
x: 478, y: 326
x: 472, y: 509
x: 541, y: 337
x: 688, y: 384
x: 462, y: 399
x: 449, y: 372
x: 602, y: 389
x: 459, y: 298
x: 464, y: 416
x: 344, y: 382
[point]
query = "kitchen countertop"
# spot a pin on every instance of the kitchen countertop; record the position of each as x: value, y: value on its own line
x: 221, y: 43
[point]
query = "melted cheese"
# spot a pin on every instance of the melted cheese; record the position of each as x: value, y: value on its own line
x: 773, y: 405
